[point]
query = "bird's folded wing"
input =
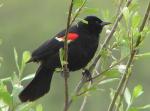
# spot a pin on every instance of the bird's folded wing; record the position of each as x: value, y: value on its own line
x: 51, y: 47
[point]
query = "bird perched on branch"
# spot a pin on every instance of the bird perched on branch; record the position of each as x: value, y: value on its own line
x: 83, y: 39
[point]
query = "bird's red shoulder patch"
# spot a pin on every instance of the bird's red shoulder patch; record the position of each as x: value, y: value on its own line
x: 70, y: 37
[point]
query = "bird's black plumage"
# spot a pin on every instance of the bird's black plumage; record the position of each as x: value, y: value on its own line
x: 83, y: 38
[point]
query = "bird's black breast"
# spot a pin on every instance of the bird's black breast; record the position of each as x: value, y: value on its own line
x: 82, y: 51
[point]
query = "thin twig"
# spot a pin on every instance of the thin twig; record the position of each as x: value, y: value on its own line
x: 143, y: 24
x: 119, y: 7
x: 122, y: 92
x: 108, y: 38
x: 65, y: 67
x: 137, y: 44
x: 125, y: 79
x: 69, y: 23
x: 85, y: 98
x: 92, y: 66
x: 84, y: 80
x: 112, y: 104
x: 109, y: 68
x: 78, y: 12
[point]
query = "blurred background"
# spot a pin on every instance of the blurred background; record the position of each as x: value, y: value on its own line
x: 25, y: 24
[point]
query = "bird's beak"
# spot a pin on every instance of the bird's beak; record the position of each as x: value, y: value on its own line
x: 105, y: 23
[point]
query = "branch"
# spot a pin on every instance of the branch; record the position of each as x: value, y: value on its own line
x: 108, y: 38
x: 65, y: 67
x: 83, y: 79
x: 78, y: 12
x: 85, y: 98
x: 125, y: 78
x: 119, y: 7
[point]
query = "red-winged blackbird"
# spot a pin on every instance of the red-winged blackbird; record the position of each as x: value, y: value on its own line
x: 83, y: 39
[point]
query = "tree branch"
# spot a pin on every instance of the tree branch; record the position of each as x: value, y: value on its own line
x: 125, y: 78
x: 92, y: 66
x: 108, y: 38
x: 78, y: 12
x: 65, y: 67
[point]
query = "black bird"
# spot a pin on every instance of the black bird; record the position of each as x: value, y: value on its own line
x: 83, y: 39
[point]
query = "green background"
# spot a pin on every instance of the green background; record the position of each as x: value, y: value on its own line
x: 25, y: 24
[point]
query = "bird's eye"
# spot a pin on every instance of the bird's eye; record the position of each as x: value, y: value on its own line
x: 97, y: 22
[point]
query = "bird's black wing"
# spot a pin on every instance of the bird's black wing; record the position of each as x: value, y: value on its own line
x: 48, y: 48
x: 51, y: 47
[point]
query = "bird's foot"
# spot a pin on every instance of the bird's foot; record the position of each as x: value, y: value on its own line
x: 88, y: 75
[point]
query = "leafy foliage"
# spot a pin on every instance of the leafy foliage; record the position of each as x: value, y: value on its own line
x: 112, y: 64
x: 10, y: 101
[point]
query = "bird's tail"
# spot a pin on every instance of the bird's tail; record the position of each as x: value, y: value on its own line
x: 39, y: 86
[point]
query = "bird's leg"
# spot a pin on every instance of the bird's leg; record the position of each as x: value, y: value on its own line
x: 87, y: 74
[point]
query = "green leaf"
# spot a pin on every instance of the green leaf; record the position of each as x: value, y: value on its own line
x: 15, y: 78
x: 4, y: 94
x: 107, y: 81
x: 135, y: 20
x: 82, y: 20
x: 127, y: 96
x: 106, y: 15
x: 3, y: 106
x: 78, y: 3
x: 112, y: 93
x: 143, y: 55
x: 126, y: 13
x: 90, y: 10
x: 7, y: 79
x: 121, y: 108
x: 145, y: 107
x: 124, y: 48
x: 137, y: 91
x: 133, y: 109
x: 30, y: 76
x: 16, y: 59
x: 25, y: 58
x: 112, y: 73
x: 92, y: 88
x: 39, y: 107
x: 17, y: 88
x: 74, y: 97
x: 25, y: 107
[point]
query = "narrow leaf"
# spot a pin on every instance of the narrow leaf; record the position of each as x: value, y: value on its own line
x: 39, y: 107
x: 135, y: 20
x: 143, y: 55
x: 145, y: 107
x: 127, y: 96
x: 25, y: 58
x: 137, y: 91
x: 107, y: 81
x: 4, y: 94
x: 16, y: 59
x: 126, y: 13
x: 30, y: 76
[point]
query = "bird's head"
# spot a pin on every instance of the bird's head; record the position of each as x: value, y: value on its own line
x: 94, y: 24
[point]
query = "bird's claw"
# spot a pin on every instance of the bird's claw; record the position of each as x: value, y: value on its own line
x: 88, y: 75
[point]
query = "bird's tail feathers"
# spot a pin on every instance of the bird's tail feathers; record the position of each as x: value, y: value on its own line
x: 39, y: 86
